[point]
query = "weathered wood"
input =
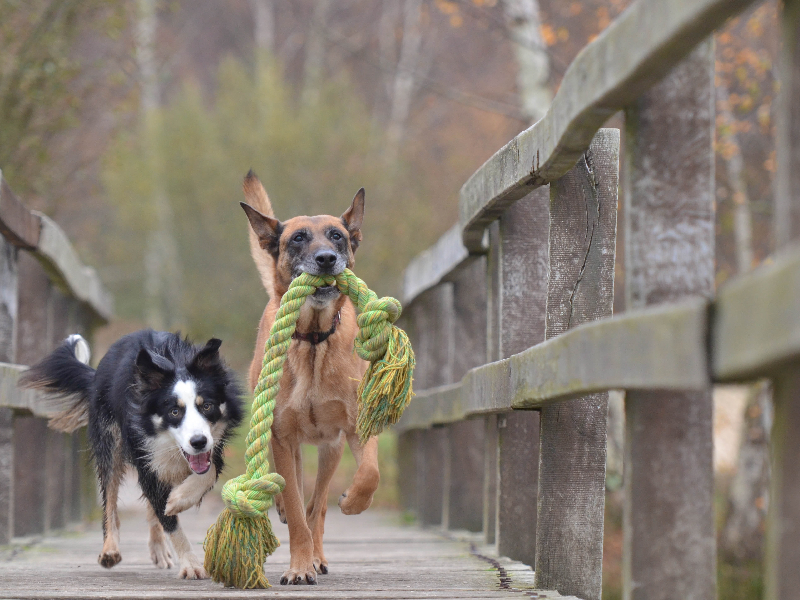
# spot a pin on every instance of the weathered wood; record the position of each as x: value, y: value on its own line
x: 35, y: 313
x: 519, y: 259
x: 55, y: 474
x: 781, y: 575
x: 407, y: 470
x: 17, y: 224
x: 30, y: 434
x: 669, y: 528
x: 6, y: 475
x: 756, y: 326
x: 438, y: 263
x: 640, y: 47
x: 431, y: 462
x: 490, y: 442
x: 8, y: 301
x: 572, y: 466
x: 464, y: 468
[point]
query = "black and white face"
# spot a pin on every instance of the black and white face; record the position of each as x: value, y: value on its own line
x: 188, y: 410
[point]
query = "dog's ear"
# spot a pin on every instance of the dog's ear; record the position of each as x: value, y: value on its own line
x: 153, y: 367
x: 208, y: 356
x: 267, y: 229
x: 353, y: 217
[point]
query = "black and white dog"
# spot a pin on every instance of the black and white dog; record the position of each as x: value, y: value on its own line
x: 156, y: 402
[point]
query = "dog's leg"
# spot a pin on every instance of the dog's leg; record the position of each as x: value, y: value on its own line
x: 357, y: 498
x: 278, y: 497
x: 110, y: 469
x: 156, y: 492
x: 160, y: 552
x: 190, y: 492
x: 329, y: 457
x: 191, y: 565
x: 301, y: 545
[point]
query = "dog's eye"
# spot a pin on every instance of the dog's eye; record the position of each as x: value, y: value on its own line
x: 175, y: 412
x: 207, y: 407
x: 336, y: 236
x: 298, y: 238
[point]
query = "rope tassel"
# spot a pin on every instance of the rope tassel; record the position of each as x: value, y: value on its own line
x: 237, y: 545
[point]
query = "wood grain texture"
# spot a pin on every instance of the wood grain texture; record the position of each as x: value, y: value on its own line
x: 521, y: 263
x: 30, y: 496
x: 9, y: 301
x: 633, y: 53
x: 490, y: 442
x: 670, y: 547
x: 572, y: 463
x: 6, y: 475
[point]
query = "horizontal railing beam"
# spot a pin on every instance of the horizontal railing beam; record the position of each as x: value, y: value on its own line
x: 750, y: 330
x: 640, y: 47
x: 19, y: 399
x: 441, y: 262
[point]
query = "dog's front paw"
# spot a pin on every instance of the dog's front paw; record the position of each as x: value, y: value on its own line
x: 160, y: 553
x: 298, y: 576
x: 109, y: 558
x: 177, y: 503
x: 354, y: 502
x: 280, y: 508
x: 321, y: 565
x: 192, y: 568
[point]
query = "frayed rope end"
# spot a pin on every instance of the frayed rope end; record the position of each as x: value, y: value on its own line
x: 386, y: 389
x: 236, y: 548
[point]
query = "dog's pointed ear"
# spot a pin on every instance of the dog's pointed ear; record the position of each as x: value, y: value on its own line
x: 153, y: 367
x: 208, y: 356
x: 353, y: 217
x: 267, y: 229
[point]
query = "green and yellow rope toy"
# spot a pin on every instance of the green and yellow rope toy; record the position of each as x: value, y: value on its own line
x: 239, y: 542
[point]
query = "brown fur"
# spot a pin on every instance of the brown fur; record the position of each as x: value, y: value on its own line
x: 317, y: 399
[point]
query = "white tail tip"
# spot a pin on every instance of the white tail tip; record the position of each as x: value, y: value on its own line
x: 81, y: 348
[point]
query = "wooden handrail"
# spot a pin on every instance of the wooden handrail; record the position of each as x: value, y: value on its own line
x: 635, y: 51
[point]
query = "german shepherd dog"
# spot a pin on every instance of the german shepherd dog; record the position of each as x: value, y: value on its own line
x: 156, y: 402
x: 317, y: 399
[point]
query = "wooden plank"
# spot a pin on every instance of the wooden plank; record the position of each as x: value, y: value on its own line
x: 519, y: 263
x: 17, y: 224
x: 756, y: 325
x: 663, y: 347
x: 6, y: 475
x: 30, y: 482
x: 490, y: 442
x: 9, y: 301
x: 639, y: 48
x: 670, y: 545
x: 438, y: 263
x: 572, y: 464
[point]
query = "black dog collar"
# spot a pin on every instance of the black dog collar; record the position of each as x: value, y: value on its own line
x: 315, y: 337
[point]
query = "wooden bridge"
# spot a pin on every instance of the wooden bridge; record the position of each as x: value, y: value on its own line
x: 510, y: 314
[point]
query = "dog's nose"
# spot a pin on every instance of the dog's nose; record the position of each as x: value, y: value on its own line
x: 325, y: 260
x: 198, y: 442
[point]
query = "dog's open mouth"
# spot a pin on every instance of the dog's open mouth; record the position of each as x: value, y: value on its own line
x: 199, y: 463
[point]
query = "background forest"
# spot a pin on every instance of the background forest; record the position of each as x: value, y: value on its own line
x: 132, y: 125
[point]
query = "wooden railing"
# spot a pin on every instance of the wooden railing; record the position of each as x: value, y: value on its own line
x: 46, y: 293
x: 510, y: 316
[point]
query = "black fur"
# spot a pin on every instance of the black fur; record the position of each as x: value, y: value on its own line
x: 133, y: 383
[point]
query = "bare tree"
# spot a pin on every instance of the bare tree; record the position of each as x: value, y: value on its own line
x: 314, y: 68
x: 162, y: 270
x: 264, y: 21
x: 533, y: 74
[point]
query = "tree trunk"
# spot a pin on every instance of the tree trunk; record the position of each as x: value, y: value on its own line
x: 314, y: 68
x: 264, y: 21
x: 534, y: 64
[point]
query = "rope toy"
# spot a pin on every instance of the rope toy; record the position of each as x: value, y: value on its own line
x: 237, y: 545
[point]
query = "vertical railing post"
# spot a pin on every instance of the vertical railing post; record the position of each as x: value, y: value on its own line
x: 782, y: 556
x: 463, y: 485
x: 8, y: 344
x: 572, y: 465
x: 670, y: 548
x: 517, y: 273
x: 431, y: 314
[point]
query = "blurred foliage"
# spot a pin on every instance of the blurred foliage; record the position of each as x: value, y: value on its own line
x: 311, y: 158
x: 38, y: 95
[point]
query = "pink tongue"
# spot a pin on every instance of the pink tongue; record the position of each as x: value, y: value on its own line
x: 199, y: 463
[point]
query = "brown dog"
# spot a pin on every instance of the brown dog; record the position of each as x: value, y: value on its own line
x: 317, y: 399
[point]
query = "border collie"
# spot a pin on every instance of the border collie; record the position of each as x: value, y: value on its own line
x: 156, y: 402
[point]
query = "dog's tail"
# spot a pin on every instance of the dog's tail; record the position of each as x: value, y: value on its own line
x: 256, y: 196
x: 66, y: 376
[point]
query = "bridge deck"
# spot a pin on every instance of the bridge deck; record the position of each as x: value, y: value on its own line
x: 371, y: 556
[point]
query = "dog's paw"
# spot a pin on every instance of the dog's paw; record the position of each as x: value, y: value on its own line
x: 192, y: 568
x: 354, y: 503
x: 321, y: 566
x: 160, y: 553
x: 280, y: 509
x: 298, y: 576
x: 109, y: 558
x: 177, y: 503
